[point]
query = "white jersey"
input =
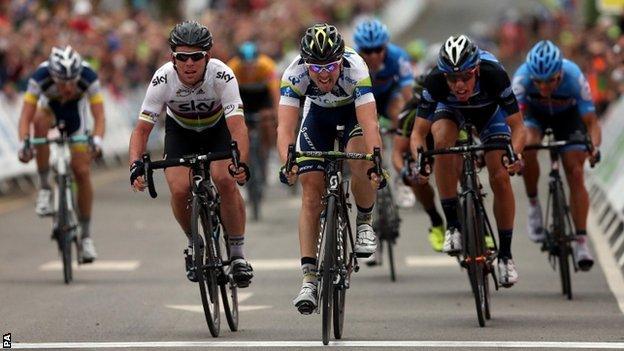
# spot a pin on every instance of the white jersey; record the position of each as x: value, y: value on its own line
x: 353, y: 85
x: 195, y: 108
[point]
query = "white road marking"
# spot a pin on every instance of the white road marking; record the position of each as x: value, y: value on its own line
x: 241, y: 308
x: 276, y: 265
x: 441, y: 260
x: 98, y: 265
x: 607, y: 260
x: 355, y: 344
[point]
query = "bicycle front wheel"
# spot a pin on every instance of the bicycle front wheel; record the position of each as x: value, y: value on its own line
x: 203, y: 256
x: 342, y: 260
x: 475, y: 257
x: 327, y: 268
x: 561, y: 238
x: 62, y: 230
x: 229, y: 291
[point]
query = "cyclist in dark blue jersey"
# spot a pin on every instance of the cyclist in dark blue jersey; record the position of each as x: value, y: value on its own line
x: 553, y: 93
x: 62, y: 89
x: 469, y: 84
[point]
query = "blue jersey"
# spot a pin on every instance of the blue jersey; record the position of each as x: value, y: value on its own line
x: 573, y: 92
x: 395, y: 72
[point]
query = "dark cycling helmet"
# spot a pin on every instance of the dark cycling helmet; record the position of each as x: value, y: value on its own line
x: 248, y: 51
x: 190, y: 33
x: 458, y: 54
x: 544, y: 60
x: 370, y: 33
x: 322, y: 43
x: 64, y: 63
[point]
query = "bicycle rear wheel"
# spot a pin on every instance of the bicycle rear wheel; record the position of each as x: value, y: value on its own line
x: 327, y: 268
x: 475, y: 257
x: 391, y: 260
x: 229, y: 291
x: 561, y: 238
x: 203, y: 257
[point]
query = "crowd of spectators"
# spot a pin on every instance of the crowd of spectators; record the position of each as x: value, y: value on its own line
x: 126, y: 40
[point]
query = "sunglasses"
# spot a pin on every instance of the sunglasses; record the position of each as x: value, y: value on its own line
x: 461, y: 76
x: 329, y: 67
x: 195, y: 56
x: 59, y: 80
x: 368, y: 51
x: 551, y: 80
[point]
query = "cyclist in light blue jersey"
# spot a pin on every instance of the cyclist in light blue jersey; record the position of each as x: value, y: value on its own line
x: 553, y: 93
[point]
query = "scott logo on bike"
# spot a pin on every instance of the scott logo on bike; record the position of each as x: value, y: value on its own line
x: 192, y: 106
x: 333, y: 182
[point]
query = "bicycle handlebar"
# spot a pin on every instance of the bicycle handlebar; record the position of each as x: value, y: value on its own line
x: 59, y: 140
x: 375, y: 157
x: 423, y: 163
x: 187, y: 161
x: 562, y: 143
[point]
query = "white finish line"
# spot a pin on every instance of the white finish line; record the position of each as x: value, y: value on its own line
x: 374, y: 344
x: 95, y: 266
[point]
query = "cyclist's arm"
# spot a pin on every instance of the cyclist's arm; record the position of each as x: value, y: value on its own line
x: 593, y: 128
x: 138, y: 140
x: 367, y: 118
x: 518, y: 131
x: 97, y: 110
x: 238, y: 131
x: 287, y: 117
x: 422, y: 126
x: 26, y: 117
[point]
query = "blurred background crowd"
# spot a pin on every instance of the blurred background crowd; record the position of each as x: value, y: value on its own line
x: 125, y: 40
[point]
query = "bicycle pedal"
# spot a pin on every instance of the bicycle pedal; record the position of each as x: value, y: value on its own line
x: 305, y: 307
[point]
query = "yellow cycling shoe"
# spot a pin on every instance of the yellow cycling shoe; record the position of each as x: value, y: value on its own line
x: 436, y: 238
x: 489, y: 242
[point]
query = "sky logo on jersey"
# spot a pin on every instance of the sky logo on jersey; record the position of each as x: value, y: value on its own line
x: 225, y: 76
x: 196, y: 107
x: 159, y: 79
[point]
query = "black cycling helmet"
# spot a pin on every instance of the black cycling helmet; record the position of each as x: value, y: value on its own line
x: 190, y: 33
x: 322, y: 43
x: 458, y: 54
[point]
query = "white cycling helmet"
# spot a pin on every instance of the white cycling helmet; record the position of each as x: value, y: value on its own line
x: 64, y: 63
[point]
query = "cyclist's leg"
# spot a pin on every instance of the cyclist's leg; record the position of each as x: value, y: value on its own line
x: 43, y: 121
x: 531, y: 174
x: 573, y: 161
x: 180, y: 187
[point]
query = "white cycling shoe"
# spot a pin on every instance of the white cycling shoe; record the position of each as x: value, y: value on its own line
x: 582, y: 256
x: 365, y: 241
x: 306, y: 300
x: 535, y: 223
x: 405, y: 197
x: 452, y: 242
x: 88, y: 250
x: 43, y: 207
x: 507, y: 273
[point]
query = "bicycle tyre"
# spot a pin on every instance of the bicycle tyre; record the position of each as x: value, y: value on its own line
x: 205, y: 278
x: 327, y: 277
x: 561, y: 238
x: 341, y: 293
x: 62, y: 231
x: 391, y: 260
x: 475, y: 270
x: 256, y: 182
x: 229, y: 290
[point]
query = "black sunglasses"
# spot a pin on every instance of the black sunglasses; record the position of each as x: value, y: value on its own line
x: 195, y: 56
x: 461, y: 76
x: 368, y: 51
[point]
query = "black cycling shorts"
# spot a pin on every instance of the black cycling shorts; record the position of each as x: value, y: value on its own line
x: 181, y: 142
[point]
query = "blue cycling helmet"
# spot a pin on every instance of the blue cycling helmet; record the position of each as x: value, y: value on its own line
x: 64, y: 63
x: 248, y: 51
x: 544, y: 60
x: 371, y: 33
x: 458, y: 54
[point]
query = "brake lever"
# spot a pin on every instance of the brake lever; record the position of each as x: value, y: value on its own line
x: 149, y: 175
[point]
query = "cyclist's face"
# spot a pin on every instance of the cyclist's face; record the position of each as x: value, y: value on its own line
x: 462, y: 84
x: 548, y: 86
x: 325, y: 76
x: 67, y: 88
x: 374, y: 57
x: 190, y: 63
